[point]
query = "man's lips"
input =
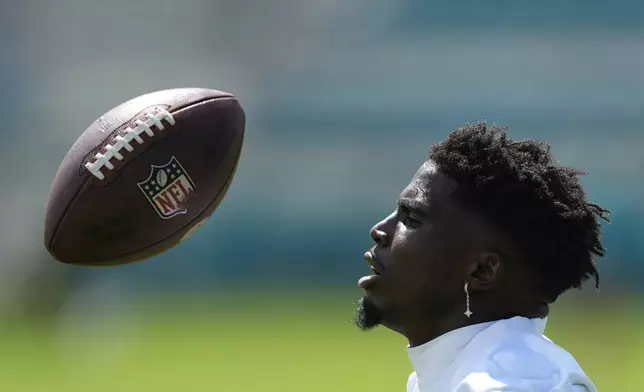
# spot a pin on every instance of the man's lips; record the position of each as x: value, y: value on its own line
x: 370, y: 258
x: 366, y: 281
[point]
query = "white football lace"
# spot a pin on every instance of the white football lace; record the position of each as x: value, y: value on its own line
x: 154, y: 119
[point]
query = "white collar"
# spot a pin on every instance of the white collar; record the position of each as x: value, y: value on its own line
x: 434, y: 357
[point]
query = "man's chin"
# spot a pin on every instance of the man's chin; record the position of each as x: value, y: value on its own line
x: 368, y: 315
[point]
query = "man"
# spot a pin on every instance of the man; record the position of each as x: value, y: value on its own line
x: 488, y: 233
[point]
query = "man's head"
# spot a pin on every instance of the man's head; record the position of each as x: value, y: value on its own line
x: 497, y: 214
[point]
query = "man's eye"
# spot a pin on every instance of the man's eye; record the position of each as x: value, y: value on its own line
x: 411, y: 222
x: 405, y: 217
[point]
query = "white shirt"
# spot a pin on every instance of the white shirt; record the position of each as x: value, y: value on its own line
x: 510, y: 355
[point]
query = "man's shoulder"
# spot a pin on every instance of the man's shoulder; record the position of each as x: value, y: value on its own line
x: 518, y: 358
x: 522, y: 351
x: 482, y: 382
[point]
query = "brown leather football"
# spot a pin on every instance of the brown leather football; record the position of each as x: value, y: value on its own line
x: 144, y: 176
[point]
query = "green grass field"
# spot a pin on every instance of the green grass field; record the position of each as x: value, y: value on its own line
x: 275, y: 344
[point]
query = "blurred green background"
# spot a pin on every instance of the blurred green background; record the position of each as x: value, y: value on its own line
x: 343, y: 100
x: 278, y: 343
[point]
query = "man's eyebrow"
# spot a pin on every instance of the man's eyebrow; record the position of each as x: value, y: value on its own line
x: 412, y: 204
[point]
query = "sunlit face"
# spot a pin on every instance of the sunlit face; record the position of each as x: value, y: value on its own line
x: 418, y: 260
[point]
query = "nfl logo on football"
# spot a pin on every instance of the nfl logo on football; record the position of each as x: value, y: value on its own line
x: 167, y: 189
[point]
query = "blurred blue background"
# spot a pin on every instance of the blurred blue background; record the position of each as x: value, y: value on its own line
x: 343, y: 100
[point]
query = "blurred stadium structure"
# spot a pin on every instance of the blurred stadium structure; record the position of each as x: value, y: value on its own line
x: 343, y: 100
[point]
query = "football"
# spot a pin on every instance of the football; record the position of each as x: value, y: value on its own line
x: 144, y: 176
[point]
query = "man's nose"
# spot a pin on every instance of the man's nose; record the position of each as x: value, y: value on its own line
x: 382, y: 232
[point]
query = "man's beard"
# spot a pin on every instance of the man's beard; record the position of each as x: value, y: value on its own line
x: 368, y: 316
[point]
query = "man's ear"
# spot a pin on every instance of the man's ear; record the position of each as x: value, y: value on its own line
x: 484, y: 271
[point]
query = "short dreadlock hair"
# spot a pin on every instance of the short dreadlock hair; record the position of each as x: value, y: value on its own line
x: 537, y: 203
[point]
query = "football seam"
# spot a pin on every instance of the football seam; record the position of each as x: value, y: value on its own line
x: 88, y: 180
x: 154, y: 119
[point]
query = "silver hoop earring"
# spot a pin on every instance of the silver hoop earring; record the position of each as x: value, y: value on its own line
x: 468, y: 312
